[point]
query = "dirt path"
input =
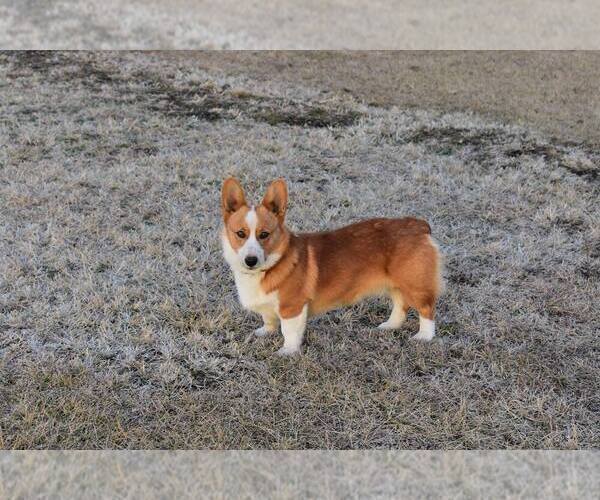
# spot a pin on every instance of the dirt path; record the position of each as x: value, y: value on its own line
x: 556, y: 92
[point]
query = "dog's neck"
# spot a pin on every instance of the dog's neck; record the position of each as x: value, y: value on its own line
x: 290, y: 252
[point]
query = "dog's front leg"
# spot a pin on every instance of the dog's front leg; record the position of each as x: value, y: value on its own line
x: 293, y: 332
x: 270, y: 323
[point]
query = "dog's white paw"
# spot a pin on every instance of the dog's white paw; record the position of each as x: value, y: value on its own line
x: 262, y: 331
x: 423, y: 336
x: 288, y: 351
x: 388, y: 325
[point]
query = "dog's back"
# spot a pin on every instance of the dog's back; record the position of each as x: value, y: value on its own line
x: 374, y: 256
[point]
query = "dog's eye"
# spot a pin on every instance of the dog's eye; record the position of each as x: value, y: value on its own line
x: 263, y: 235
x: 241, y: 234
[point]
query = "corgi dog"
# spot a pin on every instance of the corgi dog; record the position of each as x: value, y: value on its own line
x: 287, y: 277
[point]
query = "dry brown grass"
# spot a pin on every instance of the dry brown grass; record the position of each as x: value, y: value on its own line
x: 118, y: 318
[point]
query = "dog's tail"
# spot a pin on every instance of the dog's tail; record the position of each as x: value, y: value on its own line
x: 439, y: 263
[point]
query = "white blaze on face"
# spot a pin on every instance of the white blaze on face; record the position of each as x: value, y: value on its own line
x: 252, y: 247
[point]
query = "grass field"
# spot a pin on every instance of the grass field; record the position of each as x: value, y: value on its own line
x: 119, y: 324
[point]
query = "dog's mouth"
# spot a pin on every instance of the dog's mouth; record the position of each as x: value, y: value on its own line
x: 252, y: 270
x: 248, y: 271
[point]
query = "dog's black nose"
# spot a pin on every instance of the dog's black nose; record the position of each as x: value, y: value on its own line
x: 251, y: 260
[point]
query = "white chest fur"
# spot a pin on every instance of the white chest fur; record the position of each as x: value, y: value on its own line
x: 251, y: 294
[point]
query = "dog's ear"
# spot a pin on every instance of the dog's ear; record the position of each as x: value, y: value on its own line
x: 276, y: 198
x: 232, y: 197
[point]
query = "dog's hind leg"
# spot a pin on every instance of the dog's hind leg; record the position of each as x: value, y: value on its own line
x: 399, y: 310
x: 426, y: 320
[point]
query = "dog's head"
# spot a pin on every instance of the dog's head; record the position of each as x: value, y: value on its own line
x: 254, y: 238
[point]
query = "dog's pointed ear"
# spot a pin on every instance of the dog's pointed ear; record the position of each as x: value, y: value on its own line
x: 232, y: 197
x: 276, y: 198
